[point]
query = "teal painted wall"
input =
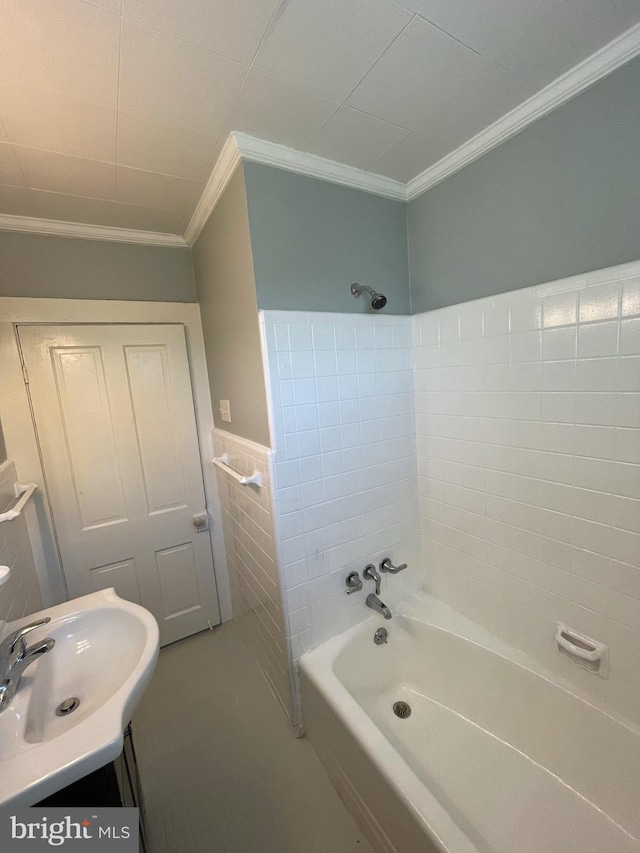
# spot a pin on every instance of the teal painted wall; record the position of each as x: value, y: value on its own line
x: 561, y: 198
x: 227, y: 296
x: 38, y: 265
x: 311, y: 239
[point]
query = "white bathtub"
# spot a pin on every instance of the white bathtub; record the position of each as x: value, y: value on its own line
x: 495, y: 757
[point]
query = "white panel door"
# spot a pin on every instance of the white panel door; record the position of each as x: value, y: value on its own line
x: 115, y: 420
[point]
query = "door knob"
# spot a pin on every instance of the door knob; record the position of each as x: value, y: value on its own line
x: 201, y: 521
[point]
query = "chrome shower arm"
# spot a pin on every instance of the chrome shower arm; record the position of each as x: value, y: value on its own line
x: 378, y: 300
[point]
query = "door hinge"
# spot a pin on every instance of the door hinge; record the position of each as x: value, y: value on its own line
x: 25, y: 375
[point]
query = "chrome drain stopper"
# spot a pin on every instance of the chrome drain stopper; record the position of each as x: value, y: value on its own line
x: 402, y: 710
x: 67, y: 707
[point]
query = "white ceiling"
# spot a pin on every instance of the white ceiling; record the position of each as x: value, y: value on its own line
x: 113, y: 112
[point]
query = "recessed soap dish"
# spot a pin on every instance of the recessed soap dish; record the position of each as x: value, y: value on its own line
x: 583, y: 650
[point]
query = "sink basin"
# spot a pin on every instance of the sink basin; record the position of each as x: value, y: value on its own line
x: 105, y: 653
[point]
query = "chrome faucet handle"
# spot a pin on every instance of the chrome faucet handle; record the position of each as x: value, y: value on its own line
x: 15, y: 643
x: 371, y: 574
x: 387, y: 566
x: 11, y: 676
x: 353, y: 582
x: 32, y: 653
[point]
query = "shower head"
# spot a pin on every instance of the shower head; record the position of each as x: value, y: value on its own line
x: 378, y: 300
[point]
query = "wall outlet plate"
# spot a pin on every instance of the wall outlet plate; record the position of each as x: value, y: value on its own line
x: 225, y: 411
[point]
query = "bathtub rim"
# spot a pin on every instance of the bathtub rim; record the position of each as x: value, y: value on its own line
x: 425, y: 608
x: 318, y: 666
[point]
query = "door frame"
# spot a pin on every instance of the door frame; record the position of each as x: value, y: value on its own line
x: 19, y: 427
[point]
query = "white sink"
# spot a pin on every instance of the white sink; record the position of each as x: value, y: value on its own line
x: 105, y: 653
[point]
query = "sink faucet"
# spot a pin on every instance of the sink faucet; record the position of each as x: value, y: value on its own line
x: 15, y: 657
x: 375, y: 604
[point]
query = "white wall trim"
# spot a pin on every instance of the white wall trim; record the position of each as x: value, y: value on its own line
x: 272, y: 154
x: 32, y: 225
x: 241, y: 146
x: 19, y: 430
x: 255, y: 449
x: 223, y: 171
x: 615, y: 54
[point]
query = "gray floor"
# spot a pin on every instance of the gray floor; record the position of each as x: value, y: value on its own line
x: 221, y: 770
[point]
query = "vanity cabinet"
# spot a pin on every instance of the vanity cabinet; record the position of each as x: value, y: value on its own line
x: 116, y: 785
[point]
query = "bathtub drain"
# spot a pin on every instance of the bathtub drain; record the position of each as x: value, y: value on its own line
x: 402, y: 710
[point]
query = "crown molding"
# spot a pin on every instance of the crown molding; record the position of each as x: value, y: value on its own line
x: 281, y: 157
x: 223, y: 171
x: 56, y: 228
x: 615, y: 54
x: 241, y: 146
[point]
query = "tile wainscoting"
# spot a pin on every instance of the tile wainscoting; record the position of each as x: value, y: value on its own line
x: 528, y: 440
x: 343, y: 431
x: 256, y: 594
x: 20, y: 595
x: 493, y: 445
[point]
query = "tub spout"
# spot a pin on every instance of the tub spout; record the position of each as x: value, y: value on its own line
x: 375, y: 604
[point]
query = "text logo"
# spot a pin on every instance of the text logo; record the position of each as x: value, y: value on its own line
x: 36, y: 829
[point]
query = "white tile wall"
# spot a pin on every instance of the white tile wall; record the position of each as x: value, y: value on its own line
x: 247, y: 520
x: 20, y: 595
x: 528, y: 442
x: 343, y: 428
